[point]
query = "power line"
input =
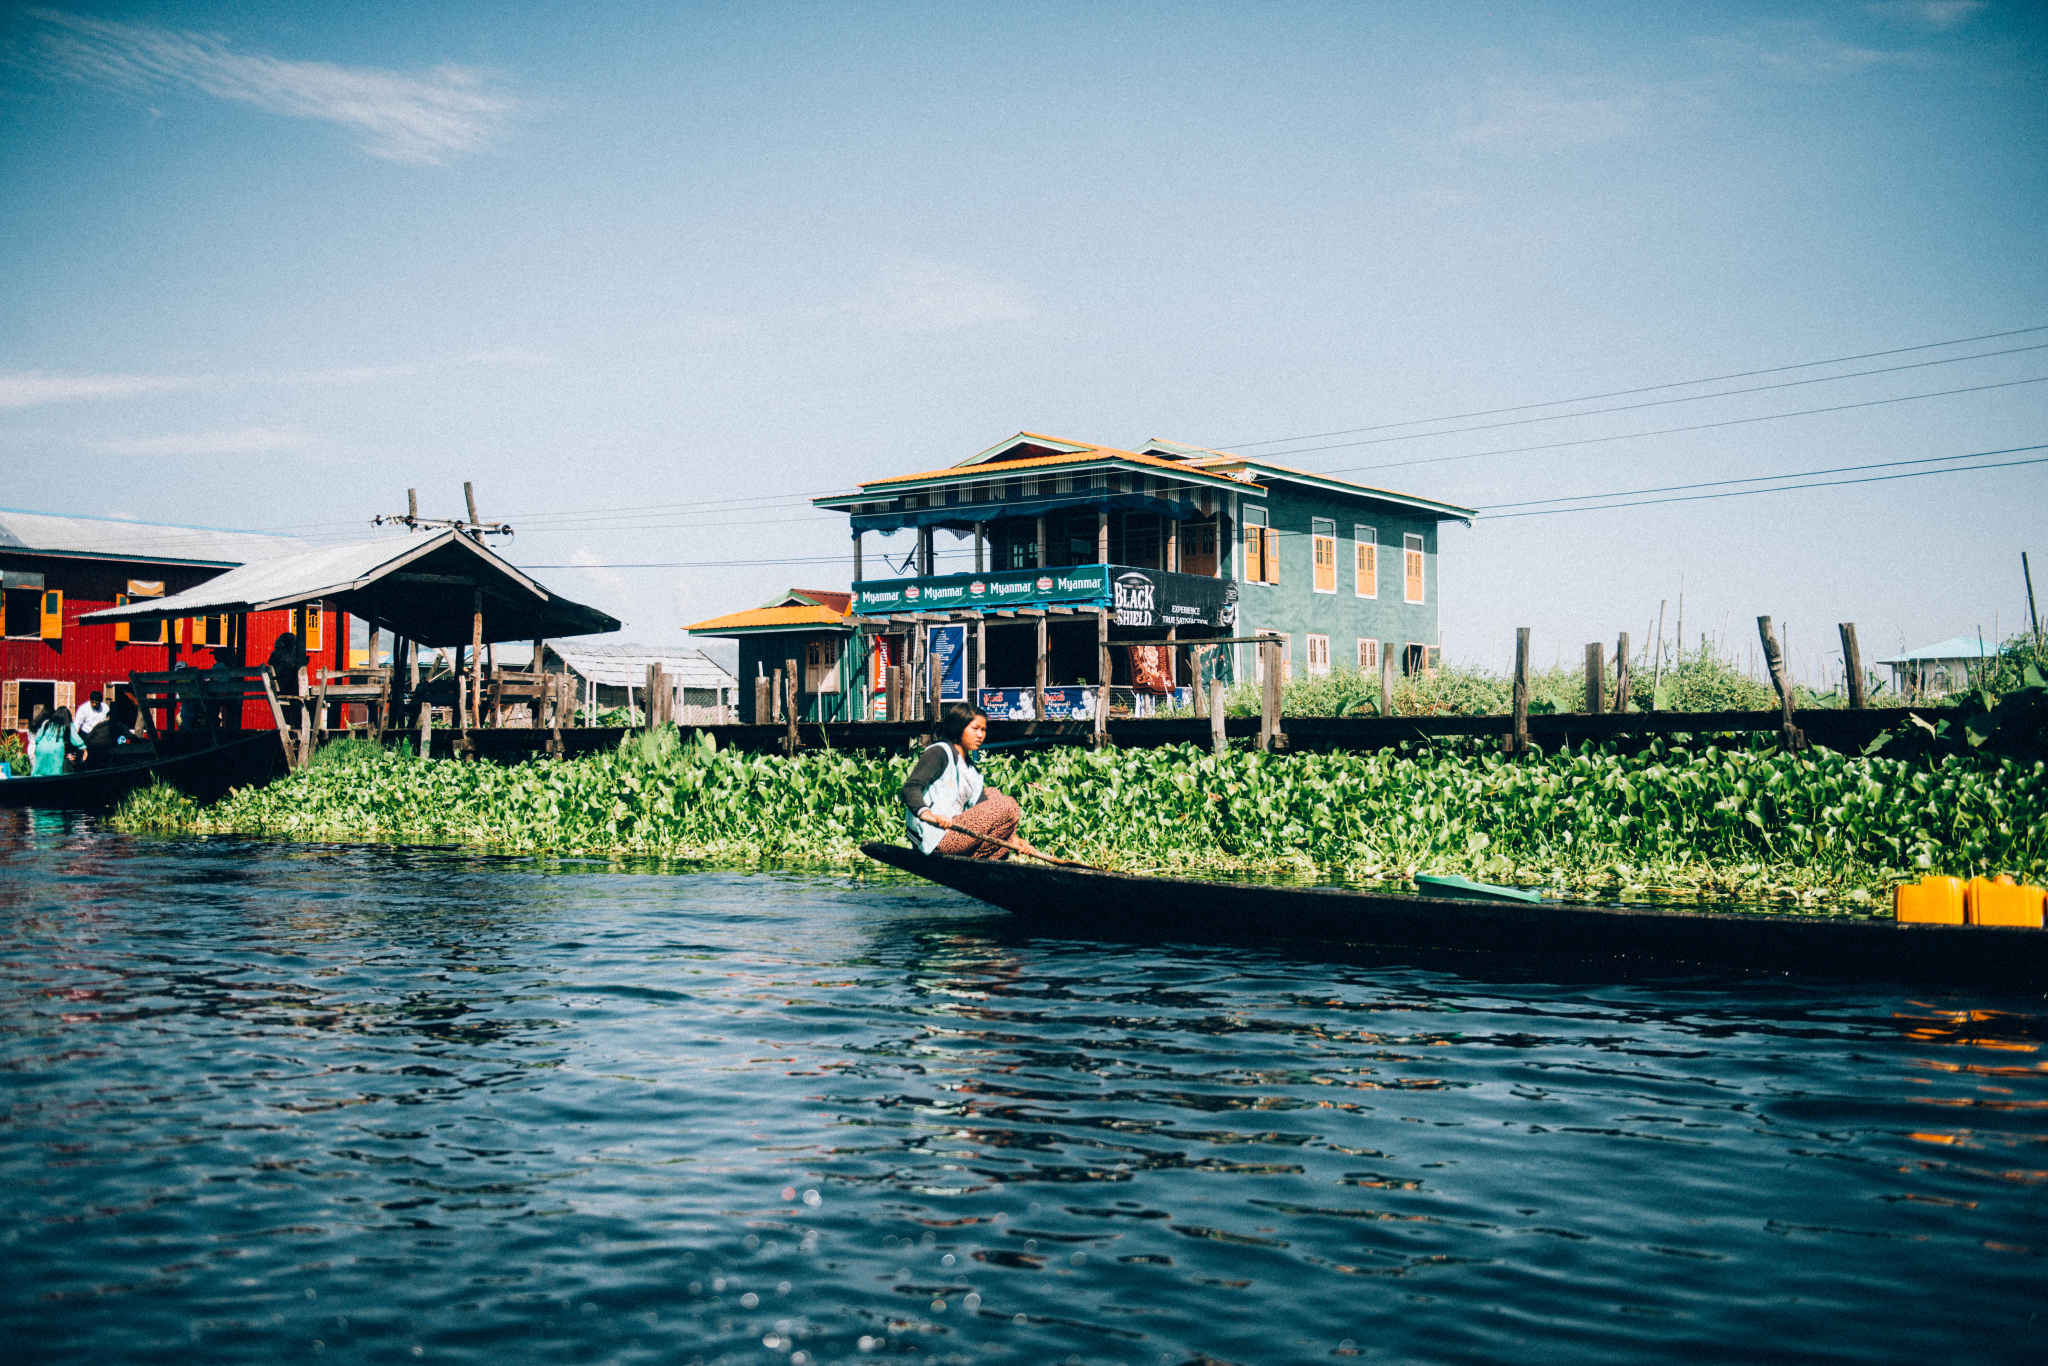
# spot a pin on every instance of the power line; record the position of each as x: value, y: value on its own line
x: 1786, y: 488
x: 1759, y: 478
x: 1697, y: 427
x: 1646, y: 389
x: 1665, y: 402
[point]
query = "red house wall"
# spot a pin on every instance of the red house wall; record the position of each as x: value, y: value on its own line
x: 90, y: 658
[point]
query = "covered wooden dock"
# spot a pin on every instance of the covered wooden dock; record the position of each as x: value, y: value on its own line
x: 442, y: 590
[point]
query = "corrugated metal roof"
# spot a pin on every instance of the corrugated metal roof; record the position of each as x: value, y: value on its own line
x: 625, y: 666
x: 769, y: 618
x: 114, y: 539
x: 420, y: 585
x: 1958, y: 647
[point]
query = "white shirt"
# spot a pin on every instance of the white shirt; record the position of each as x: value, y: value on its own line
x: 85, y: 718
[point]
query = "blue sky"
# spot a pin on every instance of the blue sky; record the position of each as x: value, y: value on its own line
x: 652, y: 274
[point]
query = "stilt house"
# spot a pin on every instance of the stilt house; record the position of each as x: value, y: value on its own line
x: 1062, y: 552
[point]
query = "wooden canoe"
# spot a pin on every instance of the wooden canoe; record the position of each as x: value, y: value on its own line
x: 1092, y: 903
x: 201, y: 774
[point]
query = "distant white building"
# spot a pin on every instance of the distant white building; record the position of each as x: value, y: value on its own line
x: 1946, y: 667
x: 616, y: 676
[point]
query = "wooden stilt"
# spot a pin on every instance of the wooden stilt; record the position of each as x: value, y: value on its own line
x: 1102, y: 652
x: 1518, y: 737
x: 1596, y: 679
x: 1044, y: 649
x: 1774, y: 660
x: 1852, y: 665
x: 795, y: 696
x: 1621, y: 678
x: 1219, y: 744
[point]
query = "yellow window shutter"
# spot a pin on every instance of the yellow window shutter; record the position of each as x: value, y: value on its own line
x: 313, y: 636
x: 1254, y: 564
x: 121, y: 627
x: 53, y: 614
x: 67, y: 695
x: 1271, y: 538
x: 10, y: 705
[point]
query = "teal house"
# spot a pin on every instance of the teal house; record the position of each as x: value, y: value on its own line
x: 1078, y: 576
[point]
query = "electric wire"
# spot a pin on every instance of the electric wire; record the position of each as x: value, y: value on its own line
x: 1785, y: 488
x: 1760, y: 478
x: 1665, y: 402
x: 1668, y: 431
x: 1645, y: 389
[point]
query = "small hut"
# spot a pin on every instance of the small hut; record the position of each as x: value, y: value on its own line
x: 1945, y: 667
x: 701, y: 692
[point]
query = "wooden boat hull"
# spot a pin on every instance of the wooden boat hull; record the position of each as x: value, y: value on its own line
x: 203, y: 774
x: 1084, y: 901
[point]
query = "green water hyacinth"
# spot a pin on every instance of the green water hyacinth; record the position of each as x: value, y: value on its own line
x: 1816, y: 828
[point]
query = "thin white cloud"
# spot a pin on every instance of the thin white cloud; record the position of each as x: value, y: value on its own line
x: 419, y: 119
x: 242, y: 441
x: 1529, y: 114
x: 32, y: 388
x: 28, y: 388
x: 1936, y: 14
x: 926, y: 296
x: 1796, y: 51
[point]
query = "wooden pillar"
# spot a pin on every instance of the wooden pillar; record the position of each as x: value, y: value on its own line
x: 925, y: 553
x: 1042, y: 548
x: 476, y: 652
x: 425, y: 717
x: 1102, y: 658
x: 1774, y: 660
x: 980, y: 657
x: 1102, y: 537
x: 763, y: 704
x: 1195, y: 657
x: 1621, y: 679
x: 1518, y: 736
x: 934, y: 683
x: 1172, y: 557
x: 1269, y: 694
x: 859, y: 537
x: 1386, y: 679
x: 978, y: 527
x: 1172, y: 658
x: 1218, y: 742
x: 653, y: 691
x: 1596, y: 679
x: 775, y: 698
x: 1044, y: 650
x: 792, y: 698
x: 1852, y: 665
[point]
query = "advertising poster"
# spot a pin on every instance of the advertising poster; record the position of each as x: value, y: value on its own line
x: 949, y: 657
x: 1061, y: 704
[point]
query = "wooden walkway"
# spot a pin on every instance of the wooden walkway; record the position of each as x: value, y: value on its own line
x: 1845, y: 730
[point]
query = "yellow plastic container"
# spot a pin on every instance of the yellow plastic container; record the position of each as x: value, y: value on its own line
x: 1930, y: 901
x: 1988, y: 902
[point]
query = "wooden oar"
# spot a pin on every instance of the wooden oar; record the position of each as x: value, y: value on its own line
x: 1028, y: 853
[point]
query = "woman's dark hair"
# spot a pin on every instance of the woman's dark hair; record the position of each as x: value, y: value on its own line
x: 955, y: 720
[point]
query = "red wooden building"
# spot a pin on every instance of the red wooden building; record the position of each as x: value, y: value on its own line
x: 54, y: 569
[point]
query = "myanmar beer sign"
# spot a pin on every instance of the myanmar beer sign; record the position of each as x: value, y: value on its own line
x: 1140, y: 598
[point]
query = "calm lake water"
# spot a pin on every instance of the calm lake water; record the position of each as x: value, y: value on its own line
x: 272, y: 1103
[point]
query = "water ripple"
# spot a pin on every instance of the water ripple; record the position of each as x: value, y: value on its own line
x: 268, y: 1102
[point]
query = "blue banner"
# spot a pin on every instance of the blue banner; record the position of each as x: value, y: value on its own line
x: 949, y: 658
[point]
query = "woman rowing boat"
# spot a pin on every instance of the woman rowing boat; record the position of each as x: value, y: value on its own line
x: 946, y: 808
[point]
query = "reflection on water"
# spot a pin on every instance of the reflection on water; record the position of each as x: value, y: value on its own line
x: 265, y: 1103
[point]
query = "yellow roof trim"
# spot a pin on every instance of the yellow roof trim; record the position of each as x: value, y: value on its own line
x: 771, y: 616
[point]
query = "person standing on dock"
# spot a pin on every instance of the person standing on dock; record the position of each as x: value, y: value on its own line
x: 945, y: 804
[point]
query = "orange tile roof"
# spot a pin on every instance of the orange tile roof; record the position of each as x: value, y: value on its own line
x: 827, y: 597
x: 995, y: 469
x: 770, y: 616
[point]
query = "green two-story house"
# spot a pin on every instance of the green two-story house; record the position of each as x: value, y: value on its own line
x: 1079, y: 549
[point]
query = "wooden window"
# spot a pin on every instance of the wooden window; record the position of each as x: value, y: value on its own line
x: 1419, y: 658
x: 143, y: 632
x: 308, y: 622
x: 821, y: 666
x: 1261, y: 548
x: 1366, y: 556
x: 22, y: 609
x: 1324, y: 531
x: 1368, y: 656
x: 53, y: 614
x: 1319, y: 653
x: 1198, y: 549
x: 1259, y: 656
x: 215, y: 633
x: 1412, y: 555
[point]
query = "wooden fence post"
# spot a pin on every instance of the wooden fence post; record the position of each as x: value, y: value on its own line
x: 1518, y: 735
x: 1269, y: 695
x: 1386, y: 681
x: 1219, y: 743
x: 1774, y: 660
x: 1596, y: 679
x: 1852, y: 664
x: 1044, y: 648
x: 764, y: 706
x: 790, y: 741
x: 1621, y: 678
x: 653, y: 694
x: 1102, y: 653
